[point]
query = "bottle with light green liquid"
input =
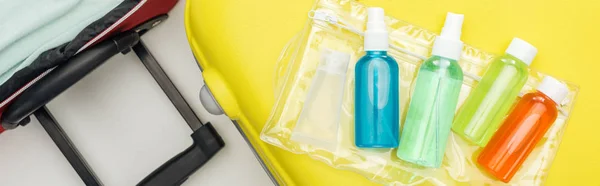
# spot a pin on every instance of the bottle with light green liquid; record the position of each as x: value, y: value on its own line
x: 434, y: 99
x: 489, y: 102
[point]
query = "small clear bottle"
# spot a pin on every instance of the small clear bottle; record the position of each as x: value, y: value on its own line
x: 318, y: 123
x: 376, y: 108
x: 522, y: 130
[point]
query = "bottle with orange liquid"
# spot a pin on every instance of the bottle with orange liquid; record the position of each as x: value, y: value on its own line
x: 522, y: 130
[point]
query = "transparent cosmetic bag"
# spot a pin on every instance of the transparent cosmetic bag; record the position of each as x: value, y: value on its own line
x: 327, y: 135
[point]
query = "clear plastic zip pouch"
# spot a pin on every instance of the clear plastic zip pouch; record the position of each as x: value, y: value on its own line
x: 314, y: 111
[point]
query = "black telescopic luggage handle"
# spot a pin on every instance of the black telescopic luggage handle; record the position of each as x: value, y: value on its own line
x: 207, y: 141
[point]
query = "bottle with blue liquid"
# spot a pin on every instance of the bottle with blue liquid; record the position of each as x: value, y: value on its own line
x: 376, y: 89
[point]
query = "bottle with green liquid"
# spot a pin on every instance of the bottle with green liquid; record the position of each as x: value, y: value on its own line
x: 489, y: 102
x: 434, y: 99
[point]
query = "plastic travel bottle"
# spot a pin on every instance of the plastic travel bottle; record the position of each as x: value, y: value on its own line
x: 485, y: 108
x: 522, y: 130
x: 434, y: 99
x: 376, y: 89
x: 318, y: 123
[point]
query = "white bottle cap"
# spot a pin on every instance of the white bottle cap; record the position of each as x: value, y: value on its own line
x: 335, y: 61
x: 448, y: 44
x: 376, y: 35
x: 522, y: 50
x: 556, y: 90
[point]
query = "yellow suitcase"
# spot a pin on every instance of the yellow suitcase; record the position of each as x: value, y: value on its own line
x: 237, y: 44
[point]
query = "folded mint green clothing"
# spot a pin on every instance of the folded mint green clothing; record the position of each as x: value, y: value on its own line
x: 20, y: 17
x: 24, y: 50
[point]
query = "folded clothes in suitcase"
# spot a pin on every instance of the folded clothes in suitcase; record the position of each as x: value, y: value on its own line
x: 87, y: 23
x: 34, y: 27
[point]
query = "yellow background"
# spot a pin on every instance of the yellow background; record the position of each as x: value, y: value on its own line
x: 238, y: 43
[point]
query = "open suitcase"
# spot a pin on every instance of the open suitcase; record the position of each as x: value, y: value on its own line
x: 27, y: 91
